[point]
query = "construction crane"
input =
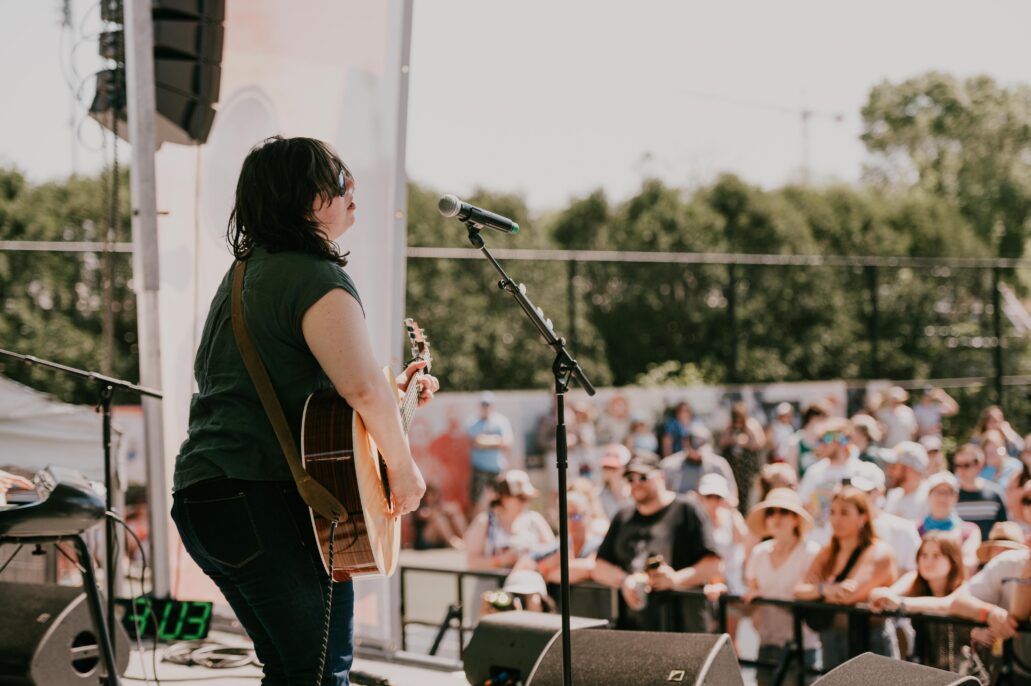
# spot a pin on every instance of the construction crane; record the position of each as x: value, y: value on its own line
x: 805, y: 115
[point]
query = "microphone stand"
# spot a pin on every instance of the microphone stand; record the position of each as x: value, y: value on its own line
x: 564, y: 368
x: 106, y: 386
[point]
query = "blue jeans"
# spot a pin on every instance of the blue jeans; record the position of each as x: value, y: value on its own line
x: 255, y: 540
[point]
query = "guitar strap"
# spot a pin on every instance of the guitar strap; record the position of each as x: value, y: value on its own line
x: 312, y: 492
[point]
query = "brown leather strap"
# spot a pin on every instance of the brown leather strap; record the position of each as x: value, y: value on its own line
x: 312, y: 492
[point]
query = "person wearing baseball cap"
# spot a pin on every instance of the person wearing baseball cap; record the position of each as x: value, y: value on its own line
x: 615, y: 491
x: 508, y: 530
x: 936, y: 461
x: 905, y: 467
x: 897, y: 417
x: 728, y: 529
x: 684, y: 469
x: 943, y: 490
x: 901, y: 534
x: 774, y: 568
x: 491, y: 436
x: 661, y: 542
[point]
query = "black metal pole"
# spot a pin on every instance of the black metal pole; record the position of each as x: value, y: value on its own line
x: 997, y: 325
x: 111, y: 558
x: 732, y: 367
x: 871, y: 284
x: 105, y: 634
x: 572, y: 301
x: 563, y: 530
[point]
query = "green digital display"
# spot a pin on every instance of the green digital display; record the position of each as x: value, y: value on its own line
x: 168, y: 619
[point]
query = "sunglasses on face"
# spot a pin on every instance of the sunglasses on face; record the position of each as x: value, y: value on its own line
x: 829, y: 438
x: 964, y: 465
x: 342, y: 182
x: 634, y: 477
x: 778, y: 511
x: 1026, y: 502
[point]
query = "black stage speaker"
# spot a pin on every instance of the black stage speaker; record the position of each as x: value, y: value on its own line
x: 511, y: 643
x: 47, y: 637
x: 877, y: 669
x: 641, y: 658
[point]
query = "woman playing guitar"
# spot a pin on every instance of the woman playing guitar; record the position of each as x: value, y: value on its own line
x: 235, y: 503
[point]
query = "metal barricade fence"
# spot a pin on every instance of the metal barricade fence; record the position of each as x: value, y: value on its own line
x: 858, y: 621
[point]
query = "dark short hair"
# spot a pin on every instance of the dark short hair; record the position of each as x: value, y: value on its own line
x: 279, y: 181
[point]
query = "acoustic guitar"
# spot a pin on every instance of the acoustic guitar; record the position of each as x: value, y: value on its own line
x: 338, y: 452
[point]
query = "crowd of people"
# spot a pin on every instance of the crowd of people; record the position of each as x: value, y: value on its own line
x: 867, y: 510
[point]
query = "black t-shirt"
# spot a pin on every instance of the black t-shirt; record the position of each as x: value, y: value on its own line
x: 983, y: 507
x: 681, y: 533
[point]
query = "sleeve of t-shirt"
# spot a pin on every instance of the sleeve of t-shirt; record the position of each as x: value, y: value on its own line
x: 986, y: 585
x: 607, y: 549
x: 311, y: 278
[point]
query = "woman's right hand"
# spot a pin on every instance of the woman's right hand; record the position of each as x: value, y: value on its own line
x: 407, y: 488
x: 883, y: 599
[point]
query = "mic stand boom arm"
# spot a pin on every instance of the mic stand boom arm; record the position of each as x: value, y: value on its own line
x: 564, y: 368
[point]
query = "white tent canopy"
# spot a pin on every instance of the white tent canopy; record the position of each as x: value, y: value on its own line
x: 37, y: 431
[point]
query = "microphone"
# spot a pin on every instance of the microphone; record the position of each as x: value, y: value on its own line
x: 451, y: 206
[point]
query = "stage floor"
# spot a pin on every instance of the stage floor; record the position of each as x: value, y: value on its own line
x: 183, y: 675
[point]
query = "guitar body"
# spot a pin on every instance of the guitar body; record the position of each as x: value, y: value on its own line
x: 338, y: 452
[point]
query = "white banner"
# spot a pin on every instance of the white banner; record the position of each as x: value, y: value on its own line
x: 329, y: 69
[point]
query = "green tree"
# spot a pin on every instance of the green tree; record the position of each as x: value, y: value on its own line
x: 965, y: 140
x: 53, y: 303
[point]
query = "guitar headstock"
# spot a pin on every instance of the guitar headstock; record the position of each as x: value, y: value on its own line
x: 420, y: 345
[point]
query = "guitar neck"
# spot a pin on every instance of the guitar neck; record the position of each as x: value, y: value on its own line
x: 410, y: 401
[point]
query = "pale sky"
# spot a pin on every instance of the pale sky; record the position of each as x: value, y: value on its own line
x: 553, y: 99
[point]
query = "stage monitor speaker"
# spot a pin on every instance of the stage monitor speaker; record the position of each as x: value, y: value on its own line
x: 510, y: 643
x: 47, y: 637
x: 877, y: 669
x: 641, y: 658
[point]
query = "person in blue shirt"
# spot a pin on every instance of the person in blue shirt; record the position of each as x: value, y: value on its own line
x: 491, y: 436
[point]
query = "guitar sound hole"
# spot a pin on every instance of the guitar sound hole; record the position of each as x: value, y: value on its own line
x: 385, y: 478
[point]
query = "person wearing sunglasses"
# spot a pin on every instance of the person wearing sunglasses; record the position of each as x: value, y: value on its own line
x: 235, y: 504
x: 774, y: 568
x: 583, y: 543
x: 839, y: 462
x: 660, y: 543
x: 980, y: 501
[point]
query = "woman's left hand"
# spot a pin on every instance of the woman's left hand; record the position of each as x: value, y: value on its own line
x: 428, y: 385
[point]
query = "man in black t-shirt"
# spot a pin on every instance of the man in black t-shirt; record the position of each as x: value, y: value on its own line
x: 662, y: 542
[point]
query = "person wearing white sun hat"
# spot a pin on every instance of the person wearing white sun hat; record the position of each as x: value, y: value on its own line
x: 773, y: 569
